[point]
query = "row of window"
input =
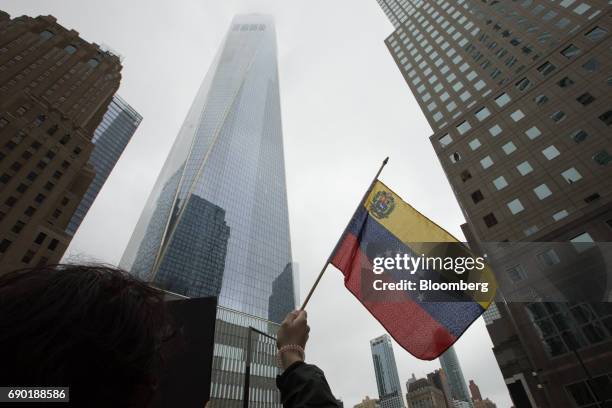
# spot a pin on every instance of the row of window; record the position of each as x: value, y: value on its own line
x: 70, y: 48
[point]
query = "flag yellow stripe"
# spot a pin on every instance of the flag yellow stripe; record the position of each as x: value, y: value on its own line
x: 413, y: 228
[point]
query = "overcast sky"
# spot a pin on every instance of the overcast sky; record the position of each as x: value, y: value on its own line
x: 345, y: 107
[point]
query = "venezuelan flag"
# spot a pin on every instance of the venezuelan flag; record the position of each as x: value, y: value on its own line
x: 423, y: 322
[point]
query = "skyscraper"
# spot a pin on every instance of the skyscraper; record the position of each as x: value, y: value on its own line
x: 517, y: 94
x: 54, y: 90
x: 385, y: 369
x: 110, y: 139
x: 475, y: 391
x: 454, y: 375
x: 438, y: 379
x: 216, y: 222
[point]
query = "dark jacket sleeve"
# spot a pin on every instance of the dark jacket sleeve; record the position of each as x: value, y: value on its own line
x: 304, y: 385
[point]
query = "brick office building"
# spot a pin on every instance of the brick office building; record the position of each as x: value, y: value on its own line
x: 54, y: 90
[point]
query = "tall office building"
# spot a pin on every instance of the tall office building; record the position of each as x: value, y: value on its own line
x: 454, y: 375
x: 223, y: 186
x: 475, y: 391
x: 438, y: 379
x: 54, y: 90
x: 518, y: 97
x: 110, y: 139
x: 216, y: 222
x: 385, y: 369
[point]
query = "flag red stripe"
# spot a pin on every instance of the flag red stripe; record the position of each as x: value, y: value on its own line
x: 411, y: 326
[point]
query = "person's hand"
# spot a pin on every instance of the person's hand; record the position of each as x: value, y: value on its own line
x: 293, y: 331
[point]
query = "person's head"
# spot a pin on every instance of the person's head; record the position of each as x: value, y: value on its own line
x: 93, y: 328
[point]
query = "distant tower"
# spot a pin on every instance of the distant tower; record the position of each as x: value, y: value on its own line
x: 387, y: 380
x: 110, y: 139
x: 438, y: 379
x: 456, y: 381
x: 476, y: 396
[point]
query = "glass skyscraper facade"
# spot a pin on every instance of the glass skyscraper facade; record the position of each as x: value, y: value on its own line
x: 216, y: 222
x: 454, y: 374
x: 385, y: 369
x: 110, y: 139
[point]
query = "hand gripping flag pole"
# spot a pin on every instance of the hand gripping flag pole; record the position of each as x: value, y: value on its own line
x: 365, y: 196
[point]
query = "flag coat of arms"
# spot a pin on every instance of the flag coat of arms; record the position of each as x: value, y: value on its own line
x: 424, y: 323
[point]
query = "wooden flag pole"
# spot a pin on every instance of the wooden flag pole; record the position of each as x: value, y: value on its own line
x: 365, y: 196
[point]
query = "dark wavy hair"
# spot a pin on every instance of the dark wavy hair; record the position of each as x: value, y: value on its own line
x: 92, y: 328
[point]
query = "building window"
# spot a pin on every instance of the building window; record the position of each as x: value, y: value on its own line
x: 592, y: 65
x: 582, y: 242
x: 560, y: 215
x: 490, y: 220
x: 546, y: 68
x: 571, y: 52
x: 571, y: 175
x: 551, y: 152
x: 558, y: 116
x: 53, y: 244
x: 517, y: 115
x: 482, y: 114
x: 93, y: 62
x: 18, y: 227
x: 542, y: 191
x: 477, y: 196
x: 565, y: 82
x: 549, y: 258
x: 602, y: 157
x: 586, y: 99
x: 515, y: 206
x: 495, y: 130
x: 509, y: 147
x: 486, y: 162
x: 45, y: 35
x: 70, y: 49
x: 540, y: 99
x: 500, y: 183
x: 445, y: 140
x: 465, y: 175
x: 40, y: 238
x: 533, y: 132
x: 464, y: 127
x: 582, y: 393
x: 474, y: 144
x: 596, y: 34
x: 592, y: 197
x: 502, y: 100
x: 4, y: 245
x: 606, y: 117
x: 523, y: 84
x: 27, y: 257
x: 516, y: 273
